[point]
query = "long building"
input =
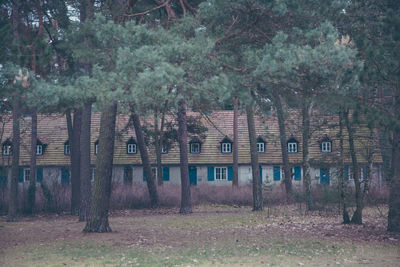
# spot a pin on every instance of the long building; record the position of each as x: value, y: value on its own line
x: 210, y: 156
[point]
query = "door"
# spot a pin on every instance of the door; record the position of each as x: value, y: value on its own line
x: 324, y: 174
x: 193, y: 175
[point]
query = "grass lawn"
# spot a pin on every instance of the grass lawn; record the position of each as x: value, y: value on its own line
x: 211, y: 236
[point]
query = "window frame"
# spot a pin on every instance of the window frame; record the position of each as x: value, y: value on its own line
x: 258, y: 147
x: 224, y: 146
x: 194, y: 151
x: 96, y: 147
x: 164, y: 149
x: 221, y: 173
x: 39, y: 150
x: 133, y: 149
x: 67, y: 149
x: 26, y: 171
x: 7, y: 149
x: 326, y: 146
x: 291, y: 145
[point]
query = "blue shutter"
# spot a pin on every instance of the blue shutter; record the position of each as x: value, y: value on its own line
x: 20, y: 175
x: 230, y: 173
x: 297, y: 173
x: 260, y: 175
x: 144, y: 175
x: 210, y: 173
x: 346, y: 172
x: 165, y: 175
x: 277, y: 173
x: 39, y: 174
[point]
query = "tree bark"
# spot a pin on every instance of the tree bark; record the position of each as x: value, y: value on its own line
x: 85, y: 169
x: 283, y: 139
x: 306, y: 116
x: 357, y: 216
x: 257, y: 190
x: 98, y: 218
x: 186, y: 206
x: 394, y: 198
x: 31, y: 199
x: 160, y: 144
x: 235, y: 178
x: 342, y: 181
x: 151, y: 184
x: 13, y: 196
x: 74, y: 128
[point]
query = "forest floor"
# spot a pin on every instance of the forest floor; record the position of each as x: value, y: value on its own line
x: 213, y: 235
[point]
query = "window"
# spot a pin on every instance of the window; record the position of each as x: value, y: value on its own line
x: 296, y: 173
x: 292, y: 146
x: 154, y: 172
x: 164, y: 149
x: 326, y: 146
x: 67, y: 150
x: 131, y: 146
x: 96, y: 147
x: 27, y: 173
x: 131, y: 149
x: 260, y: 147
x: 39, y: 150
x: 221, y: 173
x: 226, y: 147
x: 7, y: 149
x: 195, y: 148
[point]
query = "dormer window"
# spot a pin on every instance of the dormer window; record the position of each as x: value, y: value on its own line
x: 7, y: 148
x: 261, y: 143
x: 131, y: 146
x: 195, y: 148
x: 40, y: 147
x: 292, y: 145
x: 226, y: 145
x: 67, y: 148
x: 96, y: 147
x: 326, y: 144
x: 164, y: 149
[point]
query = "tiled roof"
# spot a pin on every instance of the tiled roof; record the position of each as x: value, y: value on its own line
x: 52, y: 130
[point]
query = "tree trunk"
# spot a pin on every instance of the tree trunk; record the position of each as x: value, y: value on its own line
x: 306, y: 116
x: 257, y: 190
x: 186, y: 206
x: 31, y: 199
x: 342, y: 181
x: 98, y: 218
x: 283, y: 139
x: 13, y: 196
x: 160, y: 143
x: 235, y: 178
x: 151, y: 184
x: 394, y: 198
x: 85, y: 169
x: 74, y: 128
x: 357, y: 216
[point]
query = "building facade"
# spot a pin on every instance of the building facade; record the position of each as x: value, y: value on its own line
x: 210, y: 157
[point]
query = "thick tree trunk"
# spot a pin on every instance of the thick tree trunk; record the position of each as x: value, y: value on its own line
x: 257, y: 190
x: 13, y: 196
x: 235, y: 178
x: 85, y: 169
x: 306, y: 116
x: 31, y: 199
x: 283, y: 139
x: 394, y: 198
x: 74, y: 129
x: 186, y: 206
x: 357, y: 216
x: 151, y: 184
x: 342, y: 181
x: 98, y: 218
